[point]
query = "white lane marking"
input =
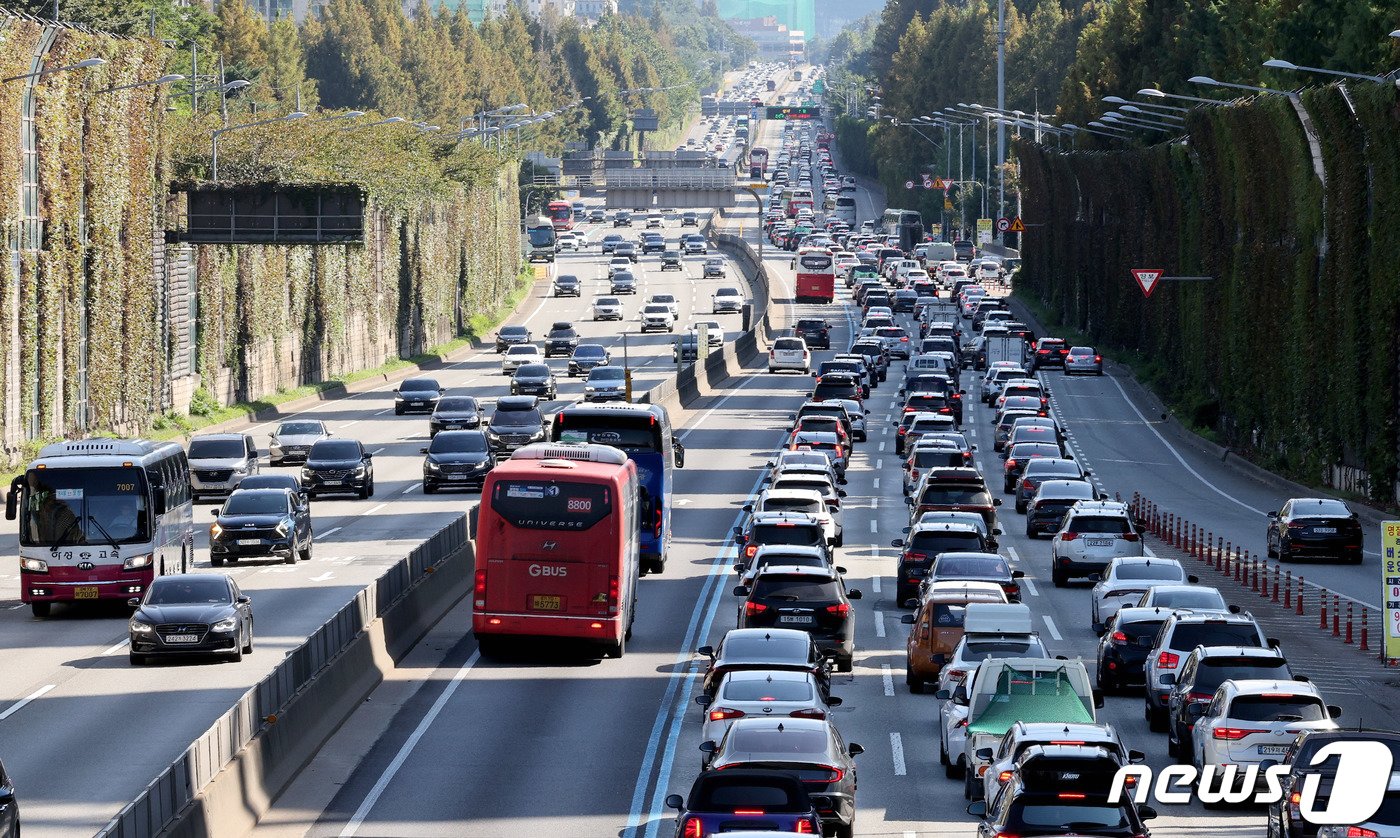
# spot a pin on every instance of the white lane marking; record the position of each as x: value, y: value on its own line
x: 374, y: 509
x: 879, y: 624
x: 384, y: 411
x: 1030, y: 586
x: 332, y: 531
x: 15, y: 708
x: 375, y: 452
x: 876, y: 483
x: 888, y: 677
x: 878, y: 464
x: 115, y: 647
x: 1050, y: 624
x: 367, y: 805
x: 410, y: 488
x: 909, y: 833
x: 897, y: 751
x: 1014, y: 556
x: 323, y: 577
x: 875, y: 584
x: 348, y: 424
x: 872, y: 527
x: 972, y: 432
x: 882, y: 446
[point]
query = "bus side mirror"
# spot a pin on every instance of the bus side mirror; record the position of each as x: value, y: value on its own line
x: 12, y: 499
x: 157, y: 498
x: 680, y: 454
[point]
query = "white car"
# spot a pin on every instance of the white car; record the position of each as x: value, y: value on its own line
x: 657, y: 316
x: 997, y: 375
x: 808, y: 501
x: 1250, y: 721
x: 668, y: 300
x: 567, y: 241
x: 714, y: 331
x: 726, y: 300
x: 1093, y: 533
x: 1023, y: 735
x: 762, y: 693
x: 607, y: 308
x: 618, y: 264
x: 790, y: 354
x: 1126, y: 580
x: 953, y: 680
x: 520, y: 354
x: 1183, y: 598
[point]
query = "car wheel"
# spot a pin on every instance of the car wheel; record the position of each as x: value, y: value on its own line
x: 967, y: 786
x: 615, y: 650
x: 942, y: 751
x: 248, y: 644
x: 398, y: 411
x: 291, y: 555
x: 952, y: 770
x: 1156, y: 719
x: 916, y: 685
x: 1021, y: 508
x: 306, y: 551
x: 1269, y: 546
x: 1284, y: 555
x: 1059, y: 578
x: 845, y: 830
x: 1173, y: 746
x: 845, y: 663
x: 216, y: 562
x: 137, y: 659
x: 237, y: 656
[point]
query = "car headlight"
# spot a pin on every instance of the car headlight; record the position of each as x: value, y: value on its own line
x: 284, y: 527
x: 225, y: 625
x: 138, y: 627
x: 590, y: 389
x: 307, y: 473
x: 215, y: 531
x: 34, y: 565
x: 135, y: 562
x: 429, y: 465
x: 537, y: 435
x: 359, y: 471
x: 240, y: 469
x: 491, y: 434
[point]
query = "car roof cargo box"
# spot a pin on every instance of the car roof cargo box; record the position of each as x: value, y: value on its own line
x: 997, y: 618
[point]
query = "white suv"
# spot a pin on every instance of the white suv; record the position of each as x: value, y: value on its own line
x: 1179, y: 635
x: 1094, y: 533
x: 607, y: 308
x: 789, y: 354
x: 1250, y: 721
x: 997, y: 375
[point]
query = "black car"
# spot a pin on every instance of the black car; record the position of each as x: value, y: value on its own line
x: 275, y: 481
x: 1285, y: 819
x: 191, y: 613
x: 254, y: 523
x: 1314, y: 527
x: 1021, y: 453
x: 1053, y: 499
x: 567, y: 285
x: 587, y: 356
x: 561, y: 340
x: 457, y: 459
x: 816, y: 332
x: 726, y: 801
x: 671, y: 259
x: 338, y: 465
x: 9, y: 807
x: 516, y: 422
x: 1205, y: 669
x: 534, y: 380
x: 808, y: 598
x: 417, y: 395
x: 1127, y: 638
x: 847, y: 365
x: 509, y: 336
x: 904, y: 300
x: 623, y: 218
x: 837, y: 385
x: 1019, y: 810
x: 455, y: 413
x: 922, y: 546
x: 812, y: 749
x: 653, y: 243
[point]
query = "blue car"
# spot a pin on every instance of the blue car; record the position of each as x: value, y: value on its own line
x: 735, y: 800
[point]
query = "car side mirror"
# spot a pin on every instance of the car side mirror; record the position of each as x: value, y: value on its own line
x: 1098, y: 699
x: 997, y: 531
x: 1136, y: 756
x: 855, y: 749
x: 1193, y: 579
x: 1302, y: 679
x: 972, y: 447
x: 1273, y: 514
x: 1169, y: 679
x: 978, y: 809
x: 943, y: 695
x: 1096, y: 577
x: 675, y: 801
x: 368, y: 456
x: 910, y: 501
x: 907, y: 619
x: 996, y: 501
x: 741, y: 590
x: 1334, y: 711
x: 833, y: 701
x: 841, y: 493
x: 707, y: 651
x: 704, y: 700
x: 1146, y: 812
x: 243, y: 599
x: 748, y: 507
x: 1195, y: 711
x: 1273, y: 642
x: 134, y: 602
x: 984, y: 754
x: 898, y: 542
x: 422, y: 450
x: 1018, y: 574
x: 854, y: 593
x: 739, y: 532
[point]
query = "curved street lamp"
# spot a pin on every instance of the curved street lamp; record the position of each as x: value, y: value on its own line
x: 218, y: 132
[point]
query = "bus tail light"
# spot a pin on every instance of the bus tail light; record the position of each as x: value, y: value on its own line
x: 614, y: 590
x: 479, y: 596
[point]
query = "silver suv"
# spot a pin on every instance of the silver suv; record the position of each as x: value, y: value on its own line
x: 292, y: 440
x: 219, y: 462
x: 1093, y: 533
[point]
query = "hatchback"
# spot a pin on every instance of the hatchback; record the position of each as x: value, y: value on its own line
x: 1083, y: 359
x: 814, y: 600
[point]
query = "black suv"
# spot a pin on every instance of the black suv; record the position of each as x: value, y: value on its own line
x: 534, y: 380
x: 455, y: 413
x: 813, y: 599
x: 516, y: 422
x: 653, y: 242
x: 457, y: 458
x: 837, y: 385
x: 567, y: 285
x: 671, y: 259
x: 561, y: 339
x: 261, y: 522
x: 1019, y: 810
x: 816, y: 332
x: 416, y: 395
x: 338, y: 465
x: 9, y: 807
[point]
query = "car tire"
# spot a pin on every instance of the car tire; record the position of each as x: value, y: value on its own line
x: 248, y: 646
x: 398, y: 411
x: 615, y: 650
x: 429, y: 488
x: 291, y: 556
x: 306, y: 552
x: 1059, y: 578
x: 952, y: 770
x: 845, y: 664
x: 1283, y: 555
x: 1173, y: 747
x: 967, y: 785
x: 916, y: 685
x: 1156, y: 719
x: 1021, y: 509
x: 213, y: 562
x: 237, y: 656
x: 137, y: 658
x: 1269, y: 550
x: 845, y: 830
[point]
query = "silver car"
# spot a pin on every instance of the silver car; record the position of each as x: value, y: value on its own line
x: 292, y: 440
x: 605, y: 384
x: 219, y: 462
x: 857, y: 413
x: 1083, y: 359
x: 607, y: 308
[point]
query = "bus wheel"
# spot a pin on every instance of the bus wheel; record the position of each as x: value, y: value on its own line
x: 40, y: 609
x: 488, y: 647
x: 615, y: 650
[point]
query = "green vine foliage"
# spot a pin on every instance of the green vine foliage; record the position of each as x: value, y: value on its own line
x: 1289, y: 355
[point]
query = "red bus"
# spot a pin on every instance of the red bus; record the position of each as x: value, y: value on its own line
x: 560, y: 214
x: 758, y: 162
x: 816, y: 275
x: 558, y: 548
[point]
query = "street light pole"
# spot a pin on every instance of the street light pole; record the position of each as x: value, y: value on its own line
x: 1001, y: 105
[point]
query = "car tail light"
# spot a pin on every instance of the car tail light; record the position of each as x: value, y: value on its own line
x: 1168, y: 660
x: 1361, y: 832
x: 1005, y: 776
x: 749, y: 811
x: 1043, y: 352
x: 1130, y: 536
x: 1119, y: 638
x: 1027, y: 483
x: 1011, y: 463
x: 693, y: 828
x: 1199, y: 696
x: 808, y: 713
x: 752, y: 608
x: 1234, y: 734
x: 1069, y: 535
x: 1297, y: 525
x: 1070, y: 795
x: 1098, y: 359
x: 750, y: 550
x: 834, y: 775
x: 657, y: 522
x: 720, y: 714
x: 805, y: 828
x: 956, y: 674
x: 479, y: 597
x: 841, y: 609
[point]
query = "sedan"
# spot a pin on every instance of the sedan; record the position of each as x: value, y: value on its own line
x: 765, y: 649
x: 518, y: 356
x: 293, y: 439
x: 509, y: 336
x: 417, y: 395
x: 1124, y: 582
x: 455, y: 413
x: 1083, y: 359
x: 567, y: 285
x: 261, y: 522
x: 726, y: 300
x: 714, y: 332
x: 457, y: 459
x: 1320, y: 527
x: 764, y: 695
x: 191, y: 613
x: 534, y: 380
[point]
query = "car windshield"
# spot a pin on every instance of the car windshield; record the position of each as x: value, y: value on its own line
x: 1215, y: 671
x: 336, y: 449
x: 608, y: 301
x: 461, y: 442
x: 1040, y: 814
x: 532, y: 371
x: 607, y: 374
x: 1190, y: 635
x: 1108, y: 525
x: 1157, y: 571
x: 523, y: 350
x: 462, y: 404
x: 767, y: 689
x: 590, y: 350
x: 419, y: 385
x: 951, y: 567
x: 300, y: 428
x: 255, y: 503
x: 517, y: 419
x: 218, y: 449
x: 1277, y: 708
x: 189, y: 589
x: 514, y: 332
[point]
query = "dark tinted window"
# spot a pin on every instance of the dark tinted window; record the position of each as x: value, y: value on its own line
x: 934, y: 543
x: 517, y: 419
x: 551, y: 505
x: 458, y: 442
x: 1212, y: 672
x: 1190, y: 635
x: 300, y: 428
x: 1108, y: 524
x: 217, y: 449
x: 189, y: 588
x: 795, y: 588
x: 751, y: 690
x: 716, y: 796
x: 944, y: 615
x: 805, y: 535
x: 1277, y: 708
x: 419, y: 384
x: 335, y: 449
x: 952, y: 566
x: 1052, y: 814
x: 1141, y: 632
x: 513, y: 331
x: 1160, y: 572
x: 255, y: 503
x: 955, y: 496
x: 532, y: 371
x: 457, y: 404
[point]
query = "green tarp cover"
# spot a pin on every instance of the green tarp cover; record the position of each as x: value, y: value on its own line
x: 1031, y: 697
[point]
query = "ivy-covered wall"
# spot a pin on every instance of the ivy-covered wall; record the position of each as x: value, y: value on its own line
x: 1291, y: 353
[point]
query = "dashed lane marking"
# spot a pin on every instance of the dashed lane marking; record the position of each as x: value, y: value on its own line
x: 879, y: 624
x: 897, y: 752
x: 1050, y: 625
x: 888, y: 678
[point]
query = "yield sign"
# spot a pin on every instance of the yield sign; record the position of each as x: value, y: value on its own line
x: 939, y: 184
x: 1147, y: 279
x: 1016, y: 226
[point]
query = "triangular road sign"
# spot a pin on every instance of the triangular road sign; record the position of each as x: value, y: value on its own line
x: 1016, y: 226
x: 939, y: 184
x: 1147, y: 279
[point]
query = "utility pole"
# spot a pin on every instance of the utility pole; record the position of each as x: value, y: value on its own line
x: 1001, y: 107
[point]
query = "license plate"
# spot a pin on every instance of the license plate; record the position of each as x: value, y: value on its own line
x: 546, y: 603
x: 85, y: 592
x: 182, y: 638
x: 1098, y: 542
x: 1272, y: 750
x: 799, y: 619
x: 451, y: 427
x: 249, y: 542
x: 415, y: 404
x: 1325, y: 530
x: 332, y: 482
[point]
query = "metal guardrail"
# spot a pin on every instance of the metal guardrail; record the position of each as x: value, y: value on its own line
x: 176, y: 787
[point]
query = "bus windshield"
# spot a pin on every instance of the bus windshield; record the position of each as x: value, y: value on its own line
x: 628, y: 433
x: 541, y: 236
x: 551, y: 505
x: 560, y: 211
x: 84, y: 506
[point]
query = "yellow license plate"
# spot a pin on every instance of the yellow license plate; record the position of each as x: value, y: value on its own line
x: 85, y: 592
x: 546, y: 603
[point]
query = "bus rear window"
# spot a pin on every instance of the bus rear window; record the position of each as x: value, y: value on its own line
x: 551, y: 505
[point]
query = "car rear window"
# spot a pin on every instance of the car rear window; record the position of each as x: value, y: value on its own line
x: 1277, y: 708
x: 1102, y: 524
x: 1141, y: 633
x: 789, y: 343
x: 934, y: 543
x: 945, y: 615
x: 791, y: 505
x: 954, y: 496
x: 1160, y: 571
x: 772, y: 741
x: 934, y: 457
x: 1215, y: 671
x: 981, y: 650
x: 766, y: 690
x: 804, y: 535
x: 1190, y: 635
x: 949, y: 567
x: 795, y: 588
x: 728, y: 797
